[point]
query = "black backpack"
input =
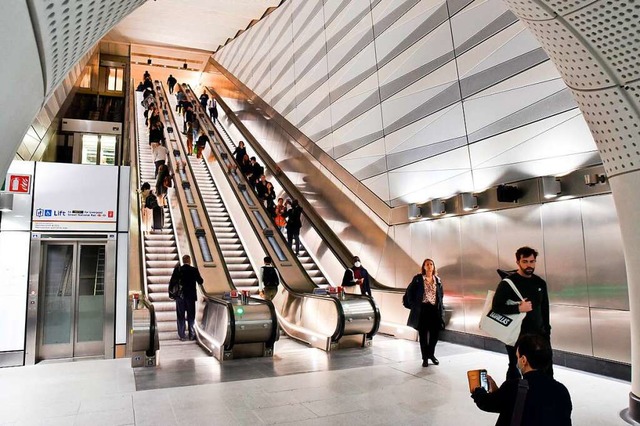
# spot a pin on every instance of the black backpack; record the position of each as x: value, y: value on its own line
x: 175, y: 285
x: 270, y: 276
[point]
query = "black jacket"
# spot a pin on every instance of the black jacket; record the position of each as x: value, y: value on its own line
x: 294, y: 219
x: 548, y: 402
x: 348, y: 279
x: 413, y: 300
x: 190, y: 276
x: 534, y: 289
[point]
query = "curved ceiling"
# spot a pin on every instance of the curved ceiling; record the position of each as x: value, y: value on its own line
x: 192, y: 24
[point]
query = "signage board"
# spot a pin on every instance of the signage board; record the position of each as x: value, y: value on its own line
x: 18, y: 184
x: 75, y: 197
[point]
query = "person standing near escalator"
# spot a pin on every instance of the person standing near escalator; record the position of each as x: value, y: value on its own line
x: 185, y: 276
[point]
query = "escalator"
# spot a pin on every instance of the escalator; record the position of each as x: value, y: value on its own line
x: 226, y: 328
x: 305, y: 257
x: 235, y: 257
x: 319, y: 320
x: 159, y: 248
x: 339, y: 226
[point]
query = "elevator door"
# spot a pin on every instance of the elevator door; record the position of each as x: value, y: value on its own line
x: 72, y: 300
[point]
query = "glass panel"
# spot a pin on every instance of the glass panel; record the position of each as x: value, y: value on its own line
x: 85, y: 83
x: 90, y: 322
x: 114, y: 79
x: 107, y: 150
x: 57, y: 292
x: 119, y: 75
x: 89, y: 149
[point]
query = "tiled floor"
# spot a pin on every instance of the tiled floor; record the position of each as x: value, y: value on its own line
x: 382, y: 385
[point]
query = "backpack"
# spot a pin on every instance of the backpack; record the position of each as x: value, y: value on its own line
x: 175, y: 285
x: 270, y: 276
x: 151, y: 201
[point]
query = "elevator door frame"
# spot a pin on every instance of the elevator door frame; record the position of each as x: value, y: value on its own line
x: 36, y: 275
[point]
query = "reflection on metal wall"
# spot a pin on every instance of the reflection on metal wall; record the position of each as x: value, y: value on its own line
x: 580, y: 257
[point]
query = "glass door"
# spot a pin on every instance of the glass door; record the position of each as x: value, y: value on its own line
x: 89, y: 149
x: 73, y: 304
x: 107, y: 150
x: 98, y: 149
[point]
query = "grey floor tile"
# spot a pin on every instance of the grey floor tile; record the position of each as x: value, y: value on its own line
x: 284, y: 414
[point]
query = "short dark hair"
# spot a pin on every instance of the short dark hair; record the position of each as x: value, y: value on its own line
x: 267, y: 259
x: 145, y: 186
x: 526, y: 252
x: 186, y: 259
x: 536, y: 348
x: 252, y: 158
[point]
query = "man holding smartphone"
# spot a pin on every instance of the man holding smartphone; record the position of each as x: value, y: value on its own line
x: 535, y: 303
x: 536, y: 399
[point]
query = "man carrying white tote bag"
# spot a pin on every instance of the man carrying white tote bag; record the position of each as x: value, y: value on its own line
x: 524, y: 299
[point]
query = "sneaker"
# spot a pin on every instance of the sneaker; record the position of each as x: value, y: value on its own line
x: 425, y: 363
x: 192, y: 337
x: 182, y: 339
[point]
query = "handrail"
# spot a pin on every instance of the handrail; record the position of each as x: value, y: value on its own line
x: 335, y: 244
x: 152, y: 327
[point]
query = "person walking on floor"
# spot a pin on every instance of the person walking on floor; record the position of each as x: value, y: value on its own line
x: 185, y: 276
x: 535, y: 303
x: 424, y: 297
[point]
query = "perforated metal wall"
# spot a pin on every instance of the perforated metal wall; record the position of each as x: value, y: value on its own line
x: 67, y: 29
x: 596, y: 47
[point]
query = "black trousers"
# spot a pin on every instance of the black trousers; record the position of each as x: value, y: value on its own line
x: 188, y: 306
x: 294, y: 234
x: 428, y: 330
x: 513, y: 372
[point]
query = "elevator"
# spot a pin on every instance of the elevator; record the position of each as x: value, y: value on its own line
x: 71, y: 297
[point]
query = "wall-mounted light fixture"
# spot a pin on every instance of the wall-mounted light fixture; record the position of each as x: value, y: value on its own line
x: 468, y: 201
x: 508, y: 193
x: 437, y: 207
x: 6, y: 202
x: 550, y: 187
x: 593, y: 180
x: 149, y: 61
x: 414, y: 211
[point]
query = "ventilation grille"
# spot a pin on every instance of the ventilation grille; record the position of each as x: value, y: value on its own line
x: 573, y: 60
x: 615, y: 126
x: 563, y: 7
x: 614, y: 31
x: 67, y: 29
x: 527, y: 9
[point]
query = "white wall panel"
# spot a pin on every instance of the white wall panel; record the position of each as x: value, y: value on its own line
x: 14, y: 273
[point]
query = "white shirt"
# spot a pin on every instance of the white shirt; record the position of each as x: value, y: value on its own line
x: 159, y: 153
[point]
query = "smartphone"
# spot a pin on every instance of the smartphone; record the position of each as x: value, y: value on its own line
x: 478, y: 379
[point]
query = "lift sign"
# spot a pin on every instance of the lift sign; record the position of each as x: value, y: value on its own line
x: 19, y: 184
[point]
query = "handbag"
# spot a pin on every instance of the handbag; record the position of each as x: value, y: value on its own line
x: 167, y: 182
x: 505, y: 328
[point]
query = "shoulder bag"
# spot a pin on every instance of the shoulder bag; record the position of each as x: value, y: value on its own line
x: 505, y: 328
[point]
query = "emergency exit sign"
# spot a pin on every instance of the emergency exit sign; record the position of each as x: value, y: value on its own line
x: 18, y: 184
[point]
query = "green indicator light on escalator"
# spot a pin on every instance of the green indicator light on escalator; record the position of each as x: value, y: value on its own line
x: 240, y: 310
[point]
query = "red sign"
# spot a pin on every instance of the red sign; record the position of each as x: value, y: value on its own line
x: 110, y: 213
x: 19, y: 184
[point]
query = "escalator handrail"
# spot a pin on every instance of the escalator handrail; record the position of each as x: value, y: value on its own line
x: 153, y: 326
x: 229, y: 306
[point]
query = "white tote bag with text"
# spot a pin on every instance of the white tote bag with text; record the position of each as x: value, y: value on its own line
x: 505, y: 328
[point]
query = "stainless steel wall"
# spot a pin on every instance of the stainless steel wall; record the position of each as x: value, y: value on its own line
x: 580, y: 257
